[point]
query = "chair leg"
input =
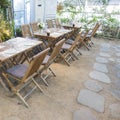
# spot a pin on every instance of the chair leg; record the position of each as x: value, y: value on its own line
x: 26, y: 104
x: 74, y: 55
x: 52, y: 71
x: 46, y: 83
x: 37, y: 85
x: 86, y: 46
x: 64, y: 60
x: 78, y: 51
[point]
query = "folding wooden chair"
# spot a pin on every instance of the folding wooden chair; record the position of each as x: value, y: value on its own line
x: 67, y: 52
x: 26, y: 32
x: 50, y: 23
x: 91, y: 33
x: 57, y: 23
x: 23, y: 76
x: 49, y: 59
x: 81, y: 41
x: 34, y: 26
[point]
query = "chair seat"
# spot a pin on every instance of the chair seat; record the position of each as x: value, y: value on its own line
x: 89, y: 35
x: 46, y: 59
x: 18, y: 70
x: 90, y: 32
x: 66, y: 46
x: 69, y: 41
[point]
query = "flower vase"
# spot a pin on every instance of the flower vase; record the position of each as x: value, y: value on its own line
x: 40, y: 30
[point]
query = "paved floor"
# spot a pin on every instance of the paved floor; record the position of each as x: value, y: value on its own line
x: 87, y: 90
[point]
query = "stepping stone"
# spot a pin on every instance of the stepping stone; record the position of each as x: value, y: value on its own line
x: 118, y: 54
x: 118, y: 60
x: 100, y: 76
x: 101, y: 60
x: 105, y: 49
x: 93, y: 85
x: 118, y: 66
x: 117, y: 48
x: 83, y: 114
x: 104, y: 54
x: 118, y: 74
x: 105, y: 45
x: 116, y: 93
x: 91, y: 99
x: 111, y: 59
x: 100, y: 67
x: 115, y: 110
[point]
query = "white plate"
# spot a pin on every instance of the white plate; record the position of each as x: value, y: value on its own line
x: 9, y: 51
x: 2, y: 46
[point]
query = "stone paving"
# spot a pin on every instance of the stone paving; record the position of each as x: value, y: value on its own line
x: 100, y: 76
x: 101, y: 60
x: 84, y: 91
x: 94, y: 100
x: 100, y: 67
x: 93, y: 85
x: 91, y: 99
x: 104, y: 54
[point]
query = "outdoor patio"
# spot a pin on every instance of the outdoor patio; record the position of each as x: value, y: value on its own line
x: 59, y: 60
x: 87, y: 90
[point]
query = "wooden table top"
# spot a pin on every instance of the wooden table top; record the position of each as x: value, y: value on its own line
x: 54, y: 33
x: 72, y: 26
x: 16, y: 46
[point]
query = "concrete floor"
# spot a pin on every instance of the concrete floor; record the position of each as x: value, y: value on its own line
x: 60, y: 99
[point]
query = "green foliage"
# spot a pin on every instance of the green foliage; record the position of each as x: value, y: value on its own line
x: 4, y: 4
x: 5, y: 32
x: 6, y: 22
x: 110, y: 25
x: 18, y: 32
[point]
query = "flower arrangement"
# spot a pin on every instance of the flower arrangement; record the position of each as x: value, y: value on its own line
x: 41, y: 25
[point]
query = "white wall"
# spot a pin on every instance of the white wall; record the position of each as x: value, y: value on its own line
x: 50, y: 9
x: 39, y: 10
x: 47, y: 10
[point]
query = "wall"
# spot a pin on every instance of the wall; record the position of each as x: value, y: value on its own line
x: 50, y: 9
x: 45, y: 9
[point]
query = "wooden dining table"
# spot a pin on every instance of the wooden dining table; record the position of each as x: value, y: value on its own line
x: 16, y: 46
x: 72, y: 26
x: 12, y: 48
x: 55, y: 34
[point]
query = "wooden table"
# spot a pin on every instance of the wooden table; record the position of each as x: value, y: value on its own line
x: 16, y: 46
x: 56, y: 34
x: 13, y: 48
x: 71, y: 26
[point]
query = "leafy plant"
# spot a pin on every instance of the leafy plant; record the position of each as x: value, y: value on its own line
x: 5, y: 31
x: 18, y: 32
x: 110, y: 26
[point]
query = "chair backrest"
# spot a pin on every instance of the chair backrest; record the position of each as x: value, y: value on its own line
x: 57, y: 23
x: 36, y: 62
x: 56, y: 50
x: 95, y: 29
x: 50, y: 23
x: 84, y: 36
x: 26, y: 32
x: 34, y: 26
x: 75, y: 42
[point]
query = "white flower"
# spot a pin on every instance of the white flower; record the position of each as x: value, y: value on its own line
x: 41, y: 25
